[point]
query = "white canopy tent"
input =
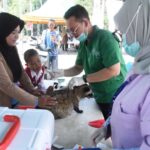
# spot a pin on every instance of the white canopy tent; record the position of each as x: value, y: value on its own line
x: 54, y: 9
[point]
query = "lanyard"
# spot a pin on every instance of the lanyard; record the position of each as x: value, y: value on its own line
x: 123, y: 85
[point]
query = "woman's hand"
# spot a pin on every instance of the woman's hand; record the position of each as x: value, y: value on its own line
x: 98, y: 135
x: 46, y: 102
x: 36, y: 92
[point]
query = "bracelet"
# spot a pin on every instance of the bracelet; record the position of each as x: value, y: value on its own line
x: 84, y: 78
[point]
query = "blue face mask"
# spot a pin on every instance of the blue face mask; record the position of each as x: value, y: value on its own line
x: 134, y: 48
x: 82, y: 37
x: 131, y: 49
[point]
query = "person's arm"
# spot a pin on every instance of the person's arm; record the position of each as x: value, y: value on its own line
x: 78, y: 67
x: 111, y: 57
x: 145, y: 122
x: 26, y: 82
x: 73, y: 71
x: 12, y: 90
x: 58, y: 39
x: 104, y: 74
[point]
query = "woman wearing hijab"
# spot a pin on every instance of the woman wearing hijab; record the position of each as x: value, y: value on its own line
x: 130, y: 118
x: 11, y: 70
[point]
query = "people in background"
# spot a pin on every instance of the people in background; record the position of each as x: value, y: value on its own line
x: 50, y: 40
x: 12, y: 70
x: 64, y: 41
x: 98, y: 55
x: 130, y: 118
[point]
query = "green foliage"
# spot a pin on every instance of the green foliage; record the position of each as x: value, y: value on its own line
x: 37, y: 4
x: 19, y: 7
x: 88, y: 4
x: 13, y: 7
x: 106, y: 22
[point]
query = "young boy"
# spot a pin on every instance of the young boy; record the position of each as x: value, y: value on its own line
x: 34, y: 68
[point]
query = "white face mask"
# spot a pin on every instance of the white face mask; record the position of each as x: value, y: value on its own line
x: 133, y: 48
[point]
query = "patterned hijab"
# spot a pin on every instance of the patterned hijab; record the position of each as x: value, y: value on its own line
x: 123, y: 19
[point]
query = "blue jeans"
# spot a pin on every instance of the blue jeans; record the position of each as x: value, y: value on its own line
x: 53, y: 62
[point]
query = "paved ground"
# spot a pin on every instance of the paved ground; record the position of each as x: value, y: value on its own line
x: 74, y: 129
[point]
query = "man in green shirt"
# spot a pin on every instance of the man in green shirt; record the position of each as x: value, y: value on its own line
x: 98, y: 55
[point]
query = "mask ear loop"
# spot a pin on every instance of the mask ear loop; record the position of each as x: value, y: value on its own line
x: 137, y: 20
x: 133, y: 18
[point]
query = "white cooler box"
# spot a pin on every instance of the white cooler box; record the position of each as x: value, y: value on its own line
x: 35, y: 132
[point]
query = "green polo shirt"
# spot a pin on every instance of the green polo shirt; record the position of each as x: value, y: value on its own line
x: 99, y: 51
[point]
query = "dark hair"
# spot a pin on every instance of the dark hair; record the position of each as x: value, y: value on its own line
x: 8, y: 23
x: 77, y: 11
x: 29, y: 53
x: 51, y: 20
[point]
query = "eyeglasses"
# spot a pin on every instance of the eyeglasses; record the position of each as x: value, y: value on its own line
x: 74, y: 31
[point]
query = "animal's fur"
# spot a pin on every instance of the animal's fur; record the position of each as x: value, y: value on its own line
x: 68, y: 99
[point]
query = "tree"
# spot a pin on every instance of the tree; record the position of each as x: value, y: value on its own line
x: 19, y: 7
x: 97, y: 11
x: 37, y: 4
x: 88, y: 4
